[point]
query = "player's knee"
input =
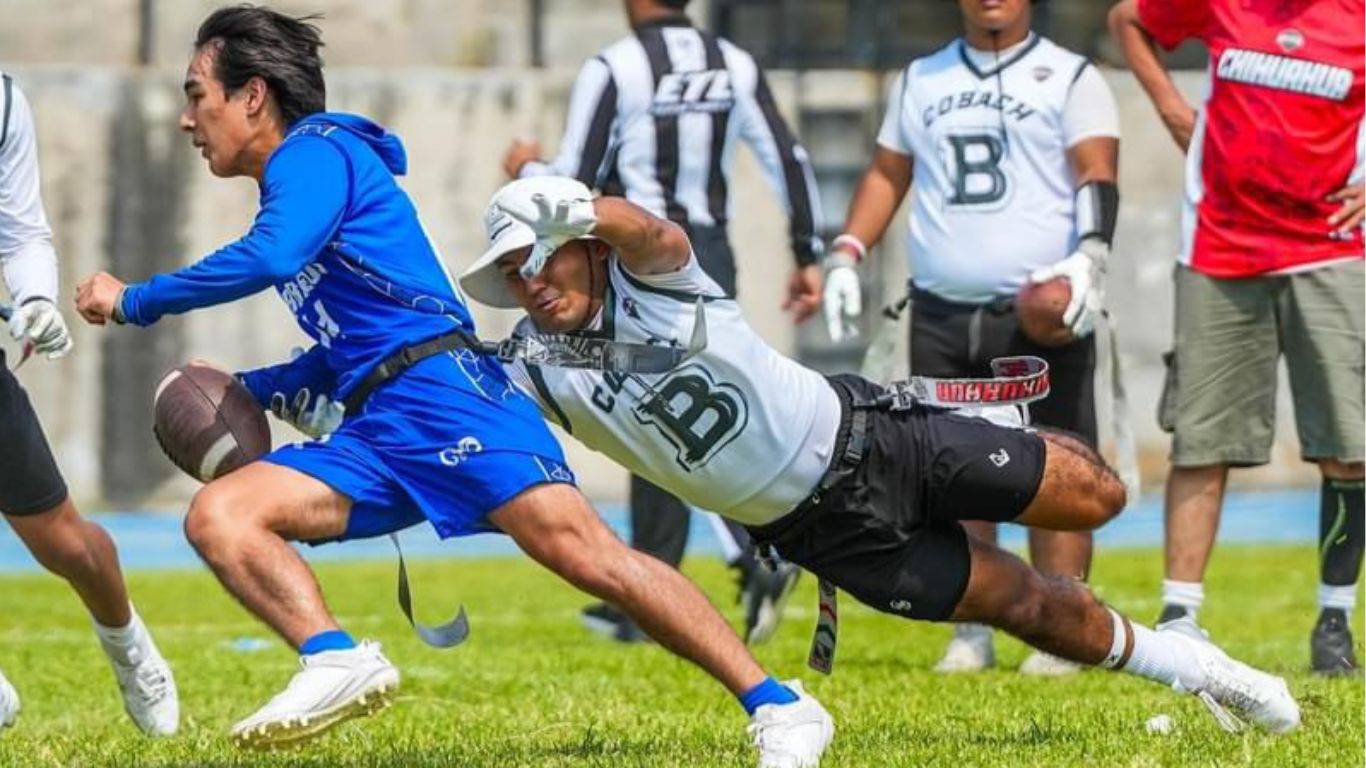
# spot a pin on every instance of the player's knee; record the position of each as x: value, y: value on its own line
x: 212, y: 517
x: 63, y: 551
x: 1109, y: 498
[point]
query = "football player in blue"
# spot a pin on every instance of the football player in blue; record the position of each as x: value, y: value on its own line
x: 422, y: 426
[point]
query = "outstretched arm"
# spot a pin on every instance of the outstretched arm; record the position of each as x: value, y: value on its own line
x: 646, y: 244
x: 303, y: 199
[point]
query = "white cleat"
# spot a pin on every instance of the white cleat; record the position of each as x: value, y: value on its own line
x: 329, y: 688
x: 149, y: 692
x: 1042, y: 664
x: 792, y: 735
x: 970, y: 650
x: 9, y: 703
x: 1227, y: 684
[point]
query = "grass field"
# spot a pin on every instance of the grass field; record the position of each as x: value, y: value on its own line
x: 531, y: 688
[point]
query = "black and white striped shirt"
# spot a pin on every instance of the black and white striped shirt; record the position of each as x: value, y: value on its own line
x: 655, y: 116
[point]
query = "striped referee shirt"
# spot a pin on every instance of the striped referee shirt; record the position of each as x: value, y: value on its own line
x: 654, y: 117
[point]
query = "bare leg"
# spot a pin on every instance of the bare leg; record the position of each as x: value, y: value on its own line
x: 1061, y: 553
x: 1052, y: 613
x: 981, y: 530
x: 555, y: 526
x: 241, y: 525
x: 82, y: 553
x: 1078, y: 491
x: 1194, y: 498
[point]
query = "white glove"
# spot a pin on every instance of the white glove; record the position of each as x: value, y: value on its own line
x: 1085, y: 270
x: 555, y: 223
x: 842, y: 300
x: 313, y: 415
x: 40, y: 323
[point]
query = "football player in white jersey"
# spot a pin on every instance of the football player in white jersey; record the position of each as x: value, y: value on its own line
x: 824, y: 471
x: 1013, y: 144
x: 33, y: 495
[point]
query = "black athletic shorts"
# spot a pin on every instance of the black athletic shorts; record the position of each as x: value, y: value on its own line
x: 29, y: 480
x: 952, y: 340
x: 889, y: 533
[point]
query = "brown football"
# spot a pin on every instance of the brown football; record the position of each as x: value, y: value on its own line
x: 207, y: 423
x: 1040, y: 307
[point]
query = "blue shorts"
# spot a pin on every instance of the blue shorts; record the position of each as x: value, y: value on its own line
x: 449, y: 441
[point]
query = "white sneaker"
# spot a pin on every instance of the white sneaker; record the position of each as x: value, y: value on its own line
x: 149, y: 692
x: 970, y: 650
x: 1230, y: 684
x: 330, y: 687
x: 1047, y: 665
x: 9, y: 703
x: 791, y: 735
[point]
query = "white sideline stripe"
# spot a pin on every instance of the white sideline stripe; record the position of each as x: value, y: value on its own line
x: 215, y: 455
x: 165, y: 382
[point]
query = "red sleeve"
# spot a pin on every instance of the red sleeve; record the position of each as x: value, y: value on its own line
x: 1172, y: 22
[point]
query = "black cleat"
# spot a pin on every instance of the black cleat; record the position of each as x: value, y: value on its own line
x: 763, y: 593
x: 608, y: 621
x: 1172, y: 612
x: 1330, y: 644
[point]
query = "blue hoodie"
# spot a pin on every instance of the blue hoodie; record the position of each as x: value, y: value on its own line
x: 340, y: 242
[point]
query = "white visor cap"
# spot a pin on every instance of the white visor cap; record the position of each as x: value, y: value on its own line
x: 483, y: 281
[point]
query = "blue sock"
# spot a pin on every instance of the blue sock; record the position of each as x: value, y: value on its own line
x: 770, y: 691
x: 331, y: 640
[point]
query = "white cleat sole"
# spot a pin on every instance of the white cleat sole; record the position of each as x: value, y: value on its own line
x: 292, y: 730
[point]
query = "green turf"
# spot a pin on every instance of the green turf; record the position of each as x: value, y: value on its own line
x: 531, y: 688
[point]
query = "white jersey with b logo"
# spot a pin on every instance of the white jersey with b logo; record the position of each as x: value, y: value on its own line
x: 993, y: 187
x: 737, y: 429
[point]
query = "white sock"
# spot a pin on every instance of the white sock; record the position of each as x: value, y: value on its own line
x: 970, y: 631
x: 1334, y: 596
x: 119, y: 638
x: 1152, y: 655
x: 1187, y: 594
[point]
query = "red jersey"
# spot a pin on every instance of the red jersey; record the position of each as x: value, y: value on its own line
x: 1280, y: 129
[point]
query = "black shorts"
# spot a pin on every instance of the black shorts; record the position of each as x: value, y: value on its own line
x: 952, y: 340
x: 29, y: 480
x: 889, y: 533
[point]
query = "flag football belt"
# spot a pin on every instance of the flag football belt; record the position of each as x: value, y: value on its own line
x: 1015, y: 381
x: 1018, y: 381
x: 560, y: 350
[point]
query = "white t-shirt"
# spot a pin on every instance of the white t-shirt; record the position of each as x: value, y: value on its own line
x: 993, y: 194
x: 737, y: 429
x: 29, y: 263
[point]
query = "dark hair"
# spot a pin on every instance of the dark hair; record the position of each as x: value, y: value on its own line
x: 253, y: 41
x: 677, y: 5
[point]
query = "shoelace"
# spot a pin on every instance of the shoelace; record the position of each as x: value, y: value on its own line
x: 152, y: 682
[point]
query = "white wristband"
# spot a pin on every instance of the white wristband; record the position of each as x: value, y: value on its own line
x: 852, y: 242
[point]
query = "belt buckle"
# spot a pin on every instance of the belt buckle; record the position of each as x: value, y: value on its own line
x: 507, y: 349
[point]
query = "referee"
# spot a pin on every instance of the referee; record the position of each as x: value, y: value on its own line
x: 33, y: 496
x: 654, y: 118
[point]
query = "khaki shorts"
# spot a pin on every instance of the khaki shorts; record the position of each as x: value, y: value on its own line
x: 1219, y: 401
